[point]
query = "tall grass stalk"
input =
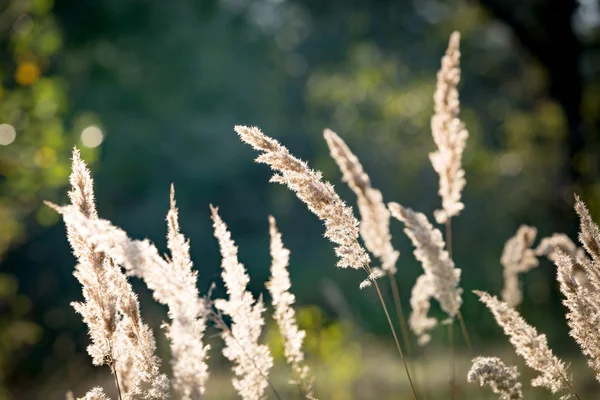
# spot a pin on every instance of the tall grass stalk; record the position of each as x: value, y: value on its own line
x: 465, y: 331
x: 450, y: 325
x: 387, y: 315
x: 114, y: 372
x: 121, y: 340
x: 218, y: 320
x: 403, y: 327
x: 341, y: 227
x: 400, y: 314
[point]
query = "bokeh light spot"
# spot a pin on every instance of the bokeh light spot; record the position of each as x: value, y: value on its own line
x: 27, y: 73
x: 92, y: 136
x: 23, y: 25
x: 7, y: 134
x: 510, y: 164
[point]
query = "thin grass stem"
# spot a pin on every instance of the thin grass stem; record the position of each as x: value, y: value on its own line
x: 116, y: 381
x: 571, y: 389
x: 403, y: 325
x: 465, y: 332
x: 463, y: 326
x: 450, y: 330
x: 389, y: 319
x: 400, y: 314
x: 302, y: 395
x: 114, y: 370
x: 449, y: 236
x: 452, y: 361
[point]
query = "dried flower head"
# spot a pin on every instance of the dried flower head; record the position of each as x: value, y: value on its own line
x: 449, y: 133
x: 529, y: 345
x: 579, y: 281
x: 549, y: 246
x: 111, y: 309
x: 420, y: 323
x: 188, y: 313
x: 517, y: 258
x: 436, y: 262
x: 583, y: 305
x: 82, y: 187
x: 252, y: 360
x: 96, y: 393
x: 375, y: 217
x: 172, y: 283
x: 502, y: 379
x: 341, y: 227
x: 95, y: 272
x: 589, y: 233
x: 279, y: 287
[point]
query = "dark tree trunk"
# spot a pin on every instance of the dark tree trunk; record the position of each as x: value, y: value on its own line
x: 545, y: 30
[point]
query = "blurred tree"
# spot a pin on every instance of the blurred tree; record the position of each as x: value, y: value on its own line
x: 547, y: 30
x: 34, y: 141
x: 34, y: 153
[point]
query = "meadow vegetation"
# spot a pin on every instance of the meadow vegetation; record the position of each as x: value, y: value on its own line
x: 121, y: 341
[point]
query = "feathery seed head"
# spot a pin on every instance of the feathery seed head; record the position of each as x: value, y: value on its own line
x: 279, y: 287
x: 517, y: 258
x: 420, y: 323
x: 528, y: 344
x: 111, y: 309
x: 589, y: 234
x: 82, y: 187
x: 341, y: 227
x: 502, y: 380
x: 131, y: 348
x: 252, y: 361
x: 583, y: 305
x: 352, y: 170
x: 435, y: 260
x: 579, y: 280
x: 187, y: 312
x: 375, y: 217
x: 549, y: 246
x: 449, y: 134
x: 96, y: 393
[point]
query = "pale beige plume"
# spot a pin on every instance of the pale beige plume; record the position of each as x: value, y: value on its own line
x: 580, y: 286
x: 341, y: 227
x: 111, y: 309
x: 279, y: 287
x: 375, y: 217
x: 173, y: 283
x: 252, y: 361
x: 530, y: 345
x: 501, y: 379
x: 517, y: 258
x: 419, y: 321
x: 435, y: 260
x: 449, y: 133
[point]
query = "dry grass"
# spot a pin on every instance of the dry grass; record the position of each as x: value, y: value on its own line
x: 123, y: 342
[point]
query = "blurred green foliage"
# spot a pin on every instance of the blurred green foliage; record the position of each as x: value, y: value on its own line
x: 35, y: 139
x: 35, y: 144
x: 16, y: 331
x: 330, y: 345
